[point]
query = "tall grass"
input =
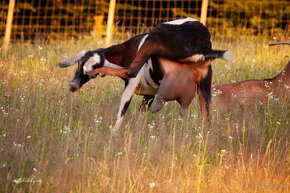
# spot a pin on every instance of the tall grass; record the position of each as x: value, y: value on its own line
x: 54, y: 141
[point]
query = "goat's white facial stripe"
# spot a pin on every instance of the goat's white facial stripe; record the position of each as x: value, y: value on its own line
x: 180, y: 21
x: 95, y: 59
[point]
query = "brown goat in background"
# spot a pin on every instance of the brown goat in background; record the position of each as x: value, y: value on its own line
x: 251, y: 92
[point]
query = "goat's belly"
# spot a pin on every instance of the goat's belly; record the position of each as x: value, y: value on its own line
x: 144, y: 90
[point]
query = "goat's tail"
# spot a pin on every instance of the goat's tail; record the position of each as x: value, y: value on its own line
x: 215, y: 54
x: 279, y: 43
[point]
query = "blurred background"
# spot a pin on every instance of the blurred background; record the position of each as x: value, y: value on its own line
x: 54, y: 19
x: 53, y: 141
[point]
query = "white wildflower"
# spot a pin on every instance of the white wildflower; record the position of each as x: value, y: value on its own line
x: 19, y: 180
x: 223, y: 151
x: 152, y: 184
x: 119, y: 154
x: 65, y: 130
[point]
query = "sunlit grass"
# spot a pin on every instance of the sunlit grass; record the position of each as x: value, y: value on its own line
x: 54, y: 141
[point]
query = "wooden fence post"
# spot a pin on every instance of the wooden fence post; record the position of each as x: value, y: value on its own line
x: 8, y: 25
x: 110, y: 23
x: 203, y: 14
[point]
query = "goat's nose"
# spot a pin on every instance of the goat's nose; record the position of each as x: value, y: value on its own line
x: 73, y: 86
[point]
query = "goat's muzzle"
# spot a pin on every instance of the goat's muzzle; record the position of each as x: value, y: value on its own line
x: 73, y: 86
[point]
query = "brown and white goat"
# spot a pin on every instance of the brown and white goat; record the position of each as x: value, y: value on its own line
x: 183, y: 40
x: 156, y: 72
x: 250, y: 92
x: 116, y: 56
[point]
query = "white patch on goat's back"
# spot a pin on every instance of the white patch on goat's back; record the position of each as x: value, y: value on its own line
x: 180, y: 21
x: 95, y: 59
x: 142, y: 42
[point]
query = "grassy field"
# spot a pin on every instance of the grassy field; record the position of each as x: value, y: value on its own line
x: 52, y: 140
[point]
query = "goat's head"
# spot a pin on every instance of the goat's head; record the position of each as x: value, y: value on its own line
x: 87, y: 61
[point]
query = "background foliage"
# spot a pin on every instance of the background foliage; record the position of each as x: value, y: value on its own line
x: 71, y: 18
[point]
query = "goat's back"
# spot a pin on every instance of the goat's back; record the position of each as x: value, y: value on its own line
x: 247, y: 93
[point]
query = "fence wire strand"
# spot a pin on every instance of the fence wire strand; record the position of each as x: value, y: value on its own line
x: 34, y: 19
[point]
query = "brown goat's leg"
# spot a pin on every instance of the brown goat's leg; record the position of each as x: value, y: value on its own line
x: 204, y: 102
x: 145, y: 52
x: 159, y: 103
x: 185, y: 100
x: 204, y: 94
x: 120, y: 72
x: 146, y: 103
x: 183, y: 110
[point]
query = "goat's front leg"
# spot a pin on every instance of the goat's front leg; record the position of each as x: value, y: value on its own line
x: 130, y: 72
x: 125, y: 101
x: 105, y: 70
x: 145, y: 52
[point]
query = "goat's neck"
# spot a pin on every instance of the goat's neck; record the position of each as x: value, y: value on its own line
x: 114, y: 54
x: 124, y: 53
x: 283, y: 76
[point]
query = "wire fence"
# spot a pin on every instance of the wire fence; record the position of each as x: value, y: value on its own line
x: 34, y: 19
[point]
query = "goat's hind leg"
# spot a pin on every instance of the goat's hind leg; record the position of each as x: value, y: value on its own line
x: 204, y: 94
x: 183, y: 110
x: 159, y: 103
x: 146, y: 103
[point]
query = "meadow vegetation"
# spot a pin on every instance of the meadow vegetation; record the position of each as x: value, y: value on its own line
x: 52, y: 140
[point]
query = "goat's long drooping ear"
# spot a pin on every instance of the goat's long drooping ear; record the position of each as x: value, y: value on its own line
x: 73, y: 60
x: 279, y: 43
